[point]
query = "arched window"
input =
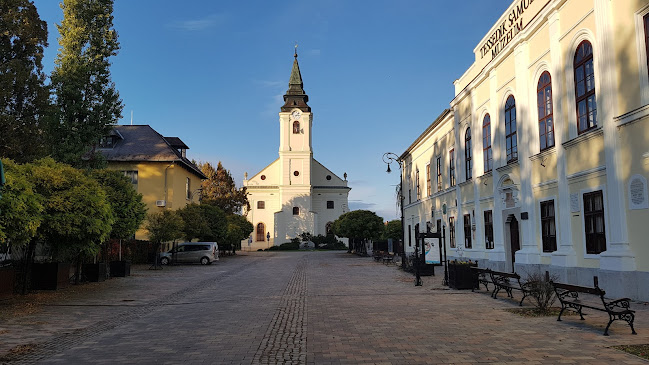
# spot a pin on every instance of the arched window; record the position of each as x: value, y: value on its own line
x: 328, y: 228
x: 468, y: 154
x: 544, y: 101
x: 296, y: 127
x: 261, y: 232
x: 486, y: 144
x: 510, y: 129
x: 585, y: 88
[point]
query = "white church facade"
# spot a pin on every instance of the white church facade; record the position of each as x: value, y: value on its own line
x: 295, y: 193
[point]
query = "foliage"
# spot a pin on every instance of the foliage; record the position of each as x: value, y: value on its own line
x: 164, y: 226
x: 238, y: 229
x: 217, y: 223
x: 126, y: 203
x: 359, y: 224
x: 77, y: 217
x: 195, y: 224
x: 288, y: 246
x: 641, y: 350
x: 24, y: 98
x: 541, y: 291
x: 220, y: 190
x: 86, y: 101
x: 20, y: 207
x: 393, y: 230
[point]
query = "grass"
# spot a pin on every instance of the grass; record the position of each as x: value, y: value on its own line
x: 641, y: 351
x: 536, y: 312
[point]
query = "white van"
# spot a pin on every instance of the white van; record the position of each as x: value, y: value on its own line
x: 191, y: 252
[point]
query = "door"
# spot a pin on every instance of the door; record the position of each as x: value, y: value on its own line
x: 181, y: 253
x: 514, y: 238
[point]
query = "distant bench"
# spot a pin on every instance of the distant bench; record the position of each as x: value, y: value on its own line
x: 508, y: 281
x: 480, y: 276
x: 617, y: 309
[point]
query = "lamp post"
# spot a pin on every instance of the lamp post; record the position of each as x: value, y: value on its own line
x: 389, y: 158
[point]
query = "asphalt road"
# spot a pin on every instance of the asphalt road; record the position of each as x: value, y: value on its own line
x: 298, y: 308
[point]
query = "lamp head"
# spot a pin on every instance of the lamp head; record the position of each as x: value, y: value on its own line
x: 389, y: 171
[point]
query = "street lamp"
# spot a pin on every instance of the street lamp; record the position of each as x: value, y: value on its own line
x: 389, y: 158
x: 198, y: 191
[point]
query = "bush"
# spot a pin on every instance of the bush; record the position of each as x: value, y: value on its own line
x: 286, y: 246
x: 541, y: 290
x: 334, y: 246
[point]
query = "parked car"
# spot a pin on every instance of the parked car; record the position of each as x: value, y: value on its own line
x: 191, y: 252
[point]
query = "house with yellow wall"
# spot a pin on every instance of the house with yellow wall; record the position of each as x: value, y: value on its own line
x: 157, y: 166
x: 542, y: 159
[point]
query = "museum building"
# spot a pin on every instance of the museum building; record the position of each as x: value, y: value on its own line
x: 541, y: 161
x: 295, y: 194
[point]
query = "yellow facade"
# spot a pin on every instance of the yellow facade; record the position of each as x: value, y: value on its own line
x: 571, y: 199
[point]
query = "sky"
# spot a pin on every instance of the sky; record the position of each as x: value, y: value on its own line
x: 213, y: 73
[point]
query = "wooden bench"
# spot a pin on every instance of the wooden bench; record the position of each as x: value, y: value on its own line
x: 508, y: 281
x: 480, y: 276
x: 617, y: 309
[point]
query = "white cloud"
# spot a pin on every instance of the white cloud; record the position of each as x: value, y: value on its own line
x: 193, y: 25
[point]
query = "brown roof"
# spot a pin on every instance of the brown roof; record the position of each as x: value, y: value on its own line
x: 143, y: 143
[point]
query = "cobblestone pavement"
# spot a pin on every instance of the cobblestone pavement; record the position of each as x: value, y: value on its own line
x: 300, y: 308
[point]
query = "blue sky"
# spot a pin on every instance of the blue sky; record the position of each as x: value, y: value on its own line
x: 213, y: 73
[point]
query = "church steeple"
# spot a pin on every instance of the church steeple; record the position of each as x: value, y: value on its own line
x: 295, y: 96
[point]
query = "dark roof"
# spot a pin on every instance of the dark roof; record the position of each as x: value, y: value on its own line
x: 143, y: 143
x: 295, y: 96
x: 176, y: 142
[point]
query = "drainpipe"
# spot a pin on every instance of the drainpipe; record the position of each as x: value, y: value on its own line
x: 166, y: 194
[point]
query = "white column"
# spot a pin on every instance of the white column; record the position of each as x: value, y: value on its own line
x: 459, y: 166
x: 565, y: 255
x: 498, y: 252
x: 478, y: 171
x: 618, y: 256
x: 529, y: 252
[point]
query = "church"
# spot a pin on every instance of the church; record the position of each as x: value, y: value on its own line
x: 295, y: 193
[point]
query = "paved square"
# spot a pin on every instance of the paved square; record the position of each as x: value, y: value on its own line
x: 300, y: 308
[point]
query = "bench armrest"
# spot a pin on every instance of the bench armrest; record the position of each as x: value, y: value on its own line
x: 623, y: 303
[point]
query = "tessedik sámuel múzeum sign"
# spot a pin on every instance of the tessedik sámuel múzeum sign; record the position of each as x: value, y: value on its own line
x: 513, y: 23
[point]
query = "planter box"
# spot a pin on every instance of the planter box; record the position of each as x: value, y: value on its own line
x: 120, y: 268
x: 94, y: 272
x: 50, y: 275
x: 427, y: 270
x: 7, y: 281
x: 460, y: 276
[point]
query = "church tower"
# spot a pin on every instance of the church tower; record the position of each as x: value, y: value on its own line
x: 295, y: 193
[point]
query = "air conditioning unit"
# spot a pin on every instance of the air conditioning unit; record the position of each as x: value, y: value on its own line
x: 160, y: 203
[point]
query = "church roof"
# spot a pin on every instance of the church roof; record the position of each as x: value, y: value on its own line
x: 295, y: 96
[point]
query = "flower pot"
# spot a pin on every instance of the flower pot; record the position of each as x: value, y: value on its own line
x: 94, y: 272
x: 120, y: 268
x: 50, y: 275
x: 460, y: 275
x: 7, y: 280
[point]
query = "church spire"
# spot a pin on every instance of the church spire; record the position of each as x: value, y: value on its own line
x: 295, y: 96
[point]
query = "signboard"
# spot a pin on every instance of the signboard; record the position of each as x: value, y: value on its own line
x: 432, y: 250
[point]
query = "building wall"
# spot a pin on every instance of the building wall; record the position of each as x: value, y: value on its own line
x: 612, y: 158
x: 151, y: 184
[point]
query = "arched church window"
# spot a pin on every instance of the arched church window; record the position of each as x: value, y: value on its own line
x: 585, y: 87
x: 468, y: 164
x: 511, y: 138
x: 296, y: 127
x: 544, y: 101
x: 261, y: 232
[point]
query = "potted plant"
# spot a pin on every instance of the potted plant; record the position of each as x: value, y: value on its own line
x: 50, y: 275
x: 7, y: 280
x: 459, y: 274
x: 94, y: 272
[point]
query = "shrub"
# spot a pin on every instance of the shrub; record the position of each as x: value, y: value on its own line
x: 541, y: 290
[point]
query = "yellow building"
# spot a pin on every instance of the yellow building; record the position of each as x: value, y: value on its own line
x: 157, y: 165
x: 541, y: 161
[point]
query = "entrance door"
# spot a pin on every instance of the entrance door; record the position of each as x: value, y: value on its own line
x: 514, y: 238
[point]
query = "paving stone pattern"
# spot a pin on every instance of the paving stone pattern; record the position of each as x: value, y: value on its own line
x: 302, y: 308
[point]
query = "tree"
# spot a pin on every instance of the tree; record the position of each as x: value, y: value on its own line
x: 164, y: 226
x: 217, y: 223
x: 24, y: 98
x: 127, y: 206
x: 86, y: 101
x: 393, y: 230
x: 20, y: 207
x: 220, y: 190
x: 77, y: 217
x: 238, y: 229
x: 359, y: 225
x: 195, y: 224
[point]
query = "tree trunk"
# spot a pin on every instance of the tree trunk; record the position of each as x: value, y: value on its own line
x: 28, y: 259
x: 77, y: 270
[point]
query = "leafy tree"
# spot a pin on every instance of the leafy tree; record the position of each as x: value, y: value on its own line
x: 126, y: 203
x: 393, y: 230
x: 164, y: 226
x: 220, y: 190
x: 359, y: 225
x: 21, y: 208
x: 217, y: 223
x: 195, y: 224
x: 86, y: 101
x: 24, y: 98
x: 238, y: 229
x: 77, y: 217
